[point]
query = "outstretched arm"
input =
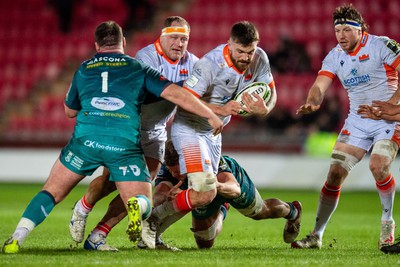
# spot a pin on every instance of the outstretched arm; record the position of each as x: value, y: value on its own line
x: 189, y: 102
x: 315, y: 95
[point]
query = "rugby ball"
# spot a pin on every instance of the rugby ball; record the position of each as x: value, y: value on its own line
x: 259, y: 88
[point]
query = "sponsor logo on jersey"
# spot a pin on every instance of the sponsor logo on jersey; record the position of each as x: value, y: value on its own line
x: 363, y: 58
x: 107, y: 103
x: 162, y: 78
x: 357, y: 80
x: 183, y: 72
x: 192, y: 81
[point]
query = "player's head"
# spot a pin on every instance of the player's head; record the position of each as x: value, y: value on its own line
x: 242, y: 43
x: 171, y: 159
x: 174, y: 37
x: 109, y: 36
x: 349, y: 27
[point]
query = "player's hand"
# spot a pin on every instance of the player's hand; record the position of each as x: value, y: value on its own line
x: 230, y: 108
x: 387, y: 108
x: 174, y: 191
x: 307, y: 108
x: 254, y: 107
x: 368, y: 112
x: 216, y: 124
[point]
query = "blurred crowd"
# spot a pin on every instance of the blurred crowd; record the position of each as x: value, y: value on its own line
x: 38, y: 119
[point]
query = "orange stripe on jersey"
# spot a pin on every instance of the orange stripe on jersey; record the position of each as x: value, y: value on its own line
x: 327, y: 73
x: 192, y: 156
x: 392, y: 77
x: 395, y: 63
x: 192, y: 92
x: 271, y: 85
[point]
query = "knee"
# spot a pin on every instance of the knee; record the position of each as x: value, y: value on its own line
x: 199, y: 199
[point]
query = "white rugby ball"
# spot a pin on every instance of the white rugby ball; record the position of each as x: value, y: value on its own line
x: 260, y: 88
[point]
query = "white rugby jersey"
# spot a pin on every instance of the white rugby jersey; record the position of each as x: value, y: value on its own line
x: 216, y: 80
x: 155, y: 115
x: 369, y: 73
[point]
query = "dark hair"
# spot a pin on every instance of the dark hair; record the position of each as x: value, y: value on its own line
x: 346, y: 12
x: 171, y: 157
x: 108, y: 33
x: 244, y: 33
x: 168, y: 21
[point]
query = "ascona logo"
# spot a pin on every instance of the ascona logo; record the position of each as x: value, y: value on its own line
x: 107, y: 103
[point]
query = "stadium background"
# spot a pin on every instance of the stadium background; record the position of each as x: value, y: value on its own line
x: 43, y: 41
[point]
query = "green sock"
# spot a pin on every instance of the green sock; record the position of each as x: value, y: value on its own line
x: 39, y: 207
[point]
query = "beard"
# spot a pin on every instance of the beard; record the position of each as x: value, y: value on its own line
x: 241, y: 65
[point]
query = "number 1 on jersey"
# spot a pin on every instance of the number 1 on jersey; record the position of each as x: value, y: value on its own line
x: 104, y: 87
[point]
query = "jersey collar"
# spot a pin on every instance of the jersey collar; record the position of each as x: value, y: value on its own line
x: 228, y: 59
x: 363, y: 42
x: 160, y: 51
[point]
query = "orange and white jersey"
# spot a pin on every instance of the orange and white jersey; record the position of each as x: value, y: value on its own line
x: 216, y: 80
x: 156, y: 114
x: 369, y: 73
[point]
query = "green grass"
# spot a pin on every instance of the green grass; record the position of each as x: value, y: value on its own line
x: 350, y: 239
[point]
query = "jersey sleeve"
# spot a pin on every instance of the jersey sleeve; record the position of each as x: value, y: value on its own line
x: 155, y: 82
x: 72, y: 97
x: 223, y: 166
x: 145, y: 58
x: 202, y: 76
x: 264, y: 69
x: 328, y: 65
x: 390, y: 51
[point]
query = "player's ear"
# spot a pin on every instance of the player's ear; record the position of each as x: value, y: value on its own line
x: 123, y: 42
x: 96, y: 45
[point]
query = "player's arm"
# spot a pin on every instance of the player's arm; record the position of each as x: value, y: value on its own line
x: 71, y: 113
x: 161, y: 192
x: 189, y: 102
x: 227, y: 185
x: 230, y: 108
x: 316, y: 95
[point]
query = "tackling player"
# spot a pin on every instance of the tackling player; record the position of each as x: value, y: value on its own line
x: 169, y: 55
x: 234, y: 187
x: 106, y: 94
x: 367, y: 67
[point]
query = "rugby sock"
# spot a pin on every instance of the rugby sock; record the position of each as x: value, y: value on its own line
x: 39, y: 207
x: 169, y: 220
x: 24, y: 227
x: 83, y: 207
x: 180, y: 203
x: 386, y: 190
x: 35, y: 213
x: 292, y: 212
x: 328, y: 202
x: 101, y: 228
x: 145, y: 206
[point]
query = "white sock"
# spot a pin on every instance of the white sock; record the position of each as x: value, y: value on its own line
x: 24, y: 227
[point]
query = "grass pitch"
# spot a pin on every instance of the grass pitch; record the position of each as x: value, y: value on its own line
x: 350, y: 239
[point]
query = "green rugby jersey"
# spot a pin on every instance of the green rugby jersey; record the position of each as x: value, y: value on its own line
x: 108, y: 91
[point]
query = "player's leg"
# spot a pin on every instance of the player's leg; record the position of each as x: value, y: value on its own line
x: 382, y: 155
x: 98, y: 188
x: 198, y: 158
x: 97, y: 238
x: 206, y: 228
x: 136, y: 196
x: 344, y: 157
x: 59, y: 183
x: 276, y: 208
